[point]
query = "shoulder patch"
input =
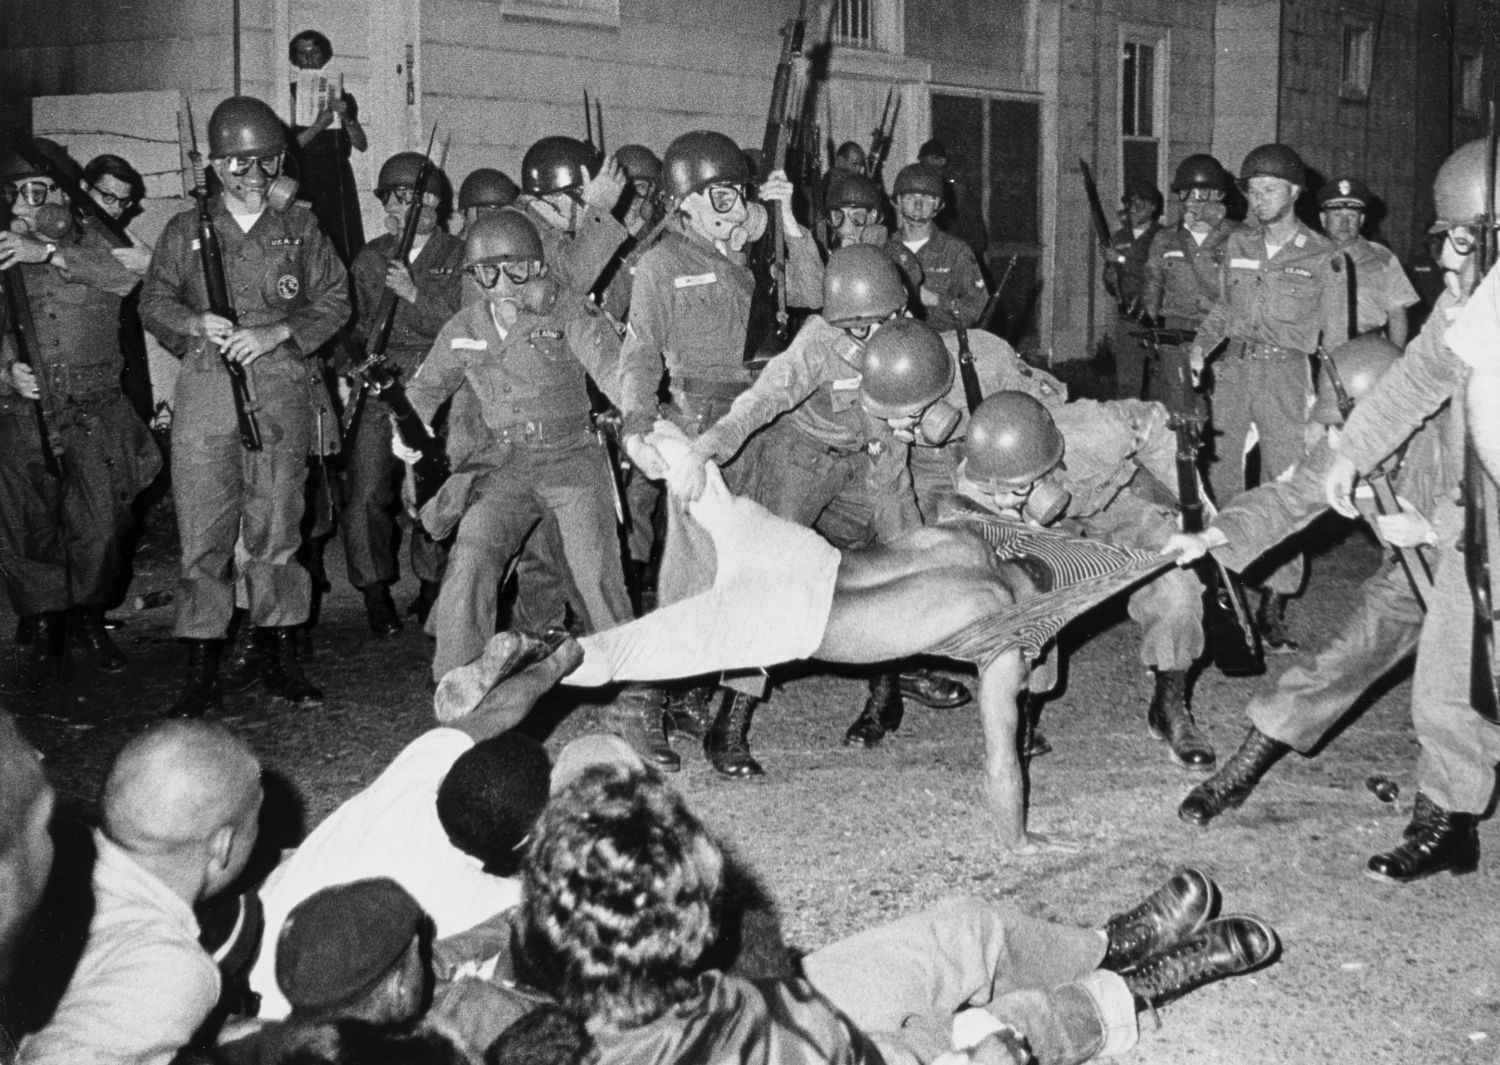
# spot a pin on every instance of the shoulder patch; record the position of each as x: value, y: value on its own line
x: 1300, y: 240
x: 545, y: 334
x: 287, y: 242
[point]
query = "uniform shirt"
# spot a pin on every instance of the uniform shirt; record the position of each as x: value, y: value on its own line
x: 1108, y: 446
x: 76, y: 311
x: 1382, y: 289
x: 575, y: 260
x: 1182, y: 275
x: 1285, y: 300
x: 283, y: 270
x: 1127, y: 280
x: 690, y: 307
x: 1471, y: 334
x: 950, y: 270
x: 143, y: 985
x: 438, y: 273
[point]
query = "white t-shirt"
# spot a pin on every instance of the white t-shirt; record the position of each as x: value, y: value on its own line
x: 389, y: 829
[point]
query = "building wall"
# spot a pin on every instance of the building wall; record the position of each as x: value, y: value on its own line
x: 1247, y: 73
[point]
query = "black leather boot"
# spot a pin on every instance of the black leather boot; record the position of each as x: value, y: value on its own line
x: 380, y: 610
x: 89, y: 633
x: 282, y: 671
x: 1445, y: 841
x: 636, y: 717
x: 1166, y: 917
x: 933, y: 689
x: 200, y: 690
x: 1170, y: 719
x: 688, y: 710
x: 1422, y: 809
x: 47, y: 663
x: 1228, y: 946
x: 421, y: 606
x: 1270, y: 619
x: 727, y: 744
x: 883, y: 712
x: 1232, y: 784
x: 246, y: 659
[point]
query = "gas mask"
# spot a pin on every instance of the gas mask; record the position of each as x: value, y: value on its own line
x: 51, y: 222
x: 1457, y: 260
x: 1047, y: 502
x: 856, y: 225
x: 559, y: 209
x: 256, y: 182
x: 512, y: 287
x: 398, y: 204
x: 932, y: 428
x: 723, y: 215
x: 1201, y: 213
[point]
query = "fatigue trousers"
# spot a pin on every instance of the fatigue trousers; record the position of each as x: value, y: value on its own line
x: 1271, y: 395
x: 1169, y: 607
x: 61, y: 540
x: 570, y: 480
x: 1128, y: 346
x: 227, y: 495
x: 901, y: 982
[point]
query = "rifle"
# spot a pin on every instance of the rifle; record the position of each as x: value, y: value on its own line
x: 992, y: 304
x: 376, y: 374
x: 880, y: 139
x: 588, y: 124
x: 1102, y: 234
x: 23, y: 328
x: 768, y: 328
x: 973, y: 395
x: 1233, y: 642
x: 214, y: 283
x: 606, y: 424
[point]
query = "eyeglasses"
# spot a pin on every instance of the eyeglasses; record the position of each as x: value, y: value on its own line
x: 856, y: 216
x: 32, y: 193
x: 404, y: 196
x: 864, y: 330
x: 239, y: 165
x: 723, y: 197
x: 109, y: 199
x: 487, y: 275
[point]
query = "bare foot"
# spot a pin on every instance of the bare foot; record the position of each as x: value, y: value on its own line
x: 1034, y: 843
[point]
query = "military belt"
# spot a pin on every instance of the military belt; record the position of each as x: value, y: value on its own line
x: 706, y: 388
x: 1255, y: 349
x: 542, y: 431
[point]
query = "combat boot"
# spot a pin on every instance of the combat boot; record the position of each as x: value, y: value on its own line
x: 727, y: 744
x: 1270, y: 619
x: 89, y: 633
x: 1444, y: 841
x: 380, y: 610
x: 1229, y: 946
x: 933, y: 690
x: 282, y: 671
x: 636, y: 717
x: 688, y: 711
x: 246, y: 659
x: 47, y: 662
x: 421, y: 605
x: 1164, y: 918
x: 1232, y: 785
x: 200, y: 691
x: 1170, y: 719
x: 883, y: 712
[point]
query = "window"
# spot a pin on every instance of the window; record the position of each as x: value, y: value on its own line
x: 1142, y: 102
x: 587, y: 12
x: 869, y: 24
x: 1470, y: 84
x: 1359, y: 44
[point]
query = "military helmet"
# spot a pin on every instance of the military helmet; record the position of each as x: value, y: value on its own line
x: 1201, y: 171
x: 1360, y: 362
x: 486, y: 187
x: 1458, y: 189
x: 505, y: 236
x: 847, y: 189
x: 861, y: 285
x: 699, y: 159
x: 13, y: 168
x: 557, y: 164
x: 918, y: 177
x: 1012, y: 442
x: 639, y: 162
x: 907, y: 369
x: 1273, y: 160
x: 399, y: 171
x: 1345, y: 192
x: 243, y: 125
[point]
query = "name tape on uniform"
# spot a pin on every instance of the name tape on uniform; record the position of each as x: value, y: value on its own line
x: 694, y: 280
x: 469, y: 344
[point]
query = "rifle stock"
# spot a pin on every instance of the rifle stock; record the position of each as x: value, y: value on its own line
x: 23, y: 330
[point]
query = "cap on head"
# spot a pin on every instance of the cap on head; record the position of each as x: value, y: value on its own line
x: 243, y: 125
x: 907, y: 368
x: 918, y: 178
x: 338, y: 943
x: 487, y: 187
x: 861, y: 285
x: 1344, y: 192
x: 505, y: 236
x: 1012, y: 441
x: 1273, y: 160
x: 557, y: 164
x: 699, y: 159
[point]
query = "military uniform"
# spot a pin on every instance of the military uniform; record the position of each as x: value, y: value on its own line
x: 1382, y: 289
x: 283, y: 270
x: 1456, y: 767
x: 950, y: 270
x: 1182, y: 283
x: 1272, y: 310
x: 371, y: 471
x: 1128, y: 283
x: 532, y: 455
x: 61, y: 540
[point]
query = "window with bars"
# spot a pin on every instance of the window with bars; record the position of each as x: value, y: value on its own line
x: 1140, y: 103
x: 1359, y: 46
x: 868, y: 24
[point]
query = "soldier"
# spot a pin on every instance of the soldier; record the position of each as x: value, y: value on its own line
x: 643, y: 171
x: 1281, y: 294
x: 829, y: 465
x: 1182, y: 266
x: 951, y: 288
x: 850, y: 158
x: 1383, y: 290
x: 1315, y: 693
x: 568, y: 196
x: 1125, y: 280
x: 62, y: 531
x: 1456, y: 767
x: 428, y: 290
x: 290, y: 293
x: 854, y: 204
x: 485, y: 190
x: 523, y: 351
x: 1120, y: 457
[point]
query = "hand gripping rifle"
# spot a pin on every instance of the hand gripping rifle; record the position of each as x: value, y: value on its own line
x: 377, y: 375
x: 214, y: 283
x: 17, y: 312
x: 880, y: 139
x: 1381, y: 499
x: 1102, y: 234
x: 768, y: 330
